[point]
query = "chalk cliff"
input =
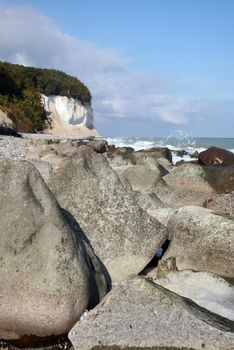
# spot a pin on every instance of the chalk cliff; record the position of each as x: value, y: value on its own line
x: 69, y: 116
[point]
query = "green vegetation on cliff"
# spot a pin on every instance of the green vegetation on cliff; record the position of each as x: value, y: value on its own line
x: 21, y: 88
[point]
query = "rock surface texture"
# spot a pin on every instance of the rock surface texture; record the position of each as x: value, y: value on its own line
x: 216, y: 155
x: 48, y: 272
x: 69, y: 116
x: 204, y: 288
x: 139, y: 314
x: 202, y: 240
x: 123, y: 236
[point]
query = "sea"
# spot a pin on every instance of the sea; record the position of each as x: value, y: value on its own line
x: 174, y: 143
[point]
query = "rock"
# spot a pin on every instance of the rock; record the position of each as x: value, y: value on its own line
x: 176, y: 197
x: 4, y: 130
x: 69, y: 116
x: 155, y: 152
x: 5, y: 121
x: 43, y: 167
x: 148, y: 201
x: 48, y: 272
x: 202, y: 240
x: 121, y: 156
x: 189, y: 177
x: 65, y: 149
x: 198, y: 178
x: 138, y: 314
x: 194, y: 154
x: 142, y: 178
x: 204, y: 288
x: 100, y: 146
x: 121, y: 233
x: 161, y: 214
x: 223, y: 203
x: 216, y: 155
x: 52, y: 159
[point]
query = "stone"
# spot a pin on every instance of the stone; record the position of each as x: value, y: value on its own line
x: 123, y: 236
x: 202, y: 240
x: 49, y: 273
x: 155, y: 152
x: 43, y: 167
x: 6, y: 131
x: 139, y: 314
x: 121, y: 156
x: 175, y: 197
x: 223, y: 203
x: 53, y: 159
x: 100, y: 146
x: 203, y: 179
x: 216, y: 155
x: 204, y: 288
x: 142, y: 178
x: 189, y: 177
x: 5, y: 121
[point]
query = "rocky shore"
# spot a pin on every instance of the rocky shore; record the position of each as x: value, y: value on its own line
x: 116, y: 248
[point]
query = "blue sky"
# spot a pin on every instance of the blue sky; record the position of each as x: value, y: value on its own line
x: 153, y: 66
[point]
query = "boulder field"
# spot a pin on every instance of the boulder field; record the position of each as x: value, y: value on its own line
x: 116, y: 248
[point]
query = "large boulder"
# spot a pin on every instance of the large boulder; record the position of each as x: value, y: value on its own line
x: 202, y: 240
x: 204, y: 288
x: 202, y: 179
x: 176, y: 197
x: 154, y: 152
x: 216, y: 155
x: 121, y: 233
x: 48, y: 272
x: 143, y: 178
x: 138, y: 314
x: 223, y: 203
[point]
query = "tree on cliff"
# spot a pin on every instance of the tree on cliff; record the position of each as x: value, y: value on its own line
x: 21, y: 88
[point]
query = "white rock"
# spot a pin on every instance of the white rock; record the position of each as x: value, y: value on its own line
x: 206, y: 289
x: 69, y: 116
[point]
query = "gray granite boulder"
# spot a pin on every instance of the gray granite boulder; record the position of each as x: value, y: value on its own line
x: 121, y: 233
x: 202, y: 240
x: 48, y: 272
x: 202, y: 179
x: 138, y: 314
x: 204, y: 288
x: 223, y: 203
x: 143, y: 178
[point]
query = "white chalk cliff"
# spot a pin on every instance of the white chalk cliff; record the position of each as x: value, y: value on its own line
x: 69, y: 116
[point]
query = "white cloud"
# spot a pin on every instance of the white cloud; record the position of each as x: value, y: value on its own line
x: 29, y: 38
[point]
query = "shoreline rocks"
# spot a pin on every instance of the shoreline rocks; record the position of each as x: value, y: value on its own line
x: 47, y: 272
x: 117, y: 210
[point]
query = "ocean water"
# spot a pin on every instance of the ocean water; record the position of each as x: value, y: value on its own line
x: 181, y: 142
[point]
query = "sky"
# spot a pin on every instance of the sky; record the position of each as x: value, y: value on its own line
x: 153, y: 66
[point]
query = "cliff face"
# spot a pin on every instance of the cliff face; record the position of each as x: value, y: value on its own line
x: 69, y: 116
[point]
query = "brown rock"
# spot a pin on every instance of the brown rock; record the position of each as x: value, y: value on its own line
x: 216, y: 155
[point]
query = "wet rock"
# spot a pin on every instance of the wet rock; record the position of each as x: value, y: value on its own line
x: 121, y: 233
x: 138, y: 314
x: 48, y: 272
x: 216, y: 155
x: 202, y: 240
